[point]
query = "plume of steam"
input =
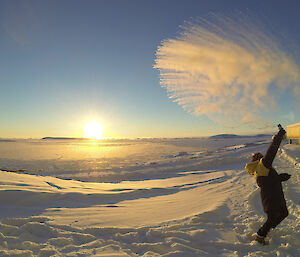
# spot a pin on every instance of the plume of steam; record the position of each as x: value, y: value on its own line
x: 230, y: 70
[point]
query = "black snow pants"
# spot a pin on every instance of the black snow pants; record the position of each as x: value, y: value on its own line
x: 274, y: 218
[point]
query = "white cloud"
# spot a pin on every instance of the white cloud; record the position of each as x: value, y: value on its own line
x: 226, y: 69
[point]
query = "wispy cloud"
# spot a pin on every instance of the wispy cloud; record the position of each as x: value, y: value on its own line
x: 227, y: 69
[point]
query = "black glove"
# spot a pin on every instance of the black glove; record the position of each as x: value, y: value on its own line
x: 284, y: 176
x: 281, y: 132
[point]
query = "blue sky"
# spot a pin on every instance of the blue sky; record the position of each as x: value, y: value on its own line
x: 64, y: 63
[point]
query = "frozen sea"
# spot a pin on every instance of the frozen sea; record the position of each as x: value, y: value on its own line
x: 166, y: 197
x: 117, y: 160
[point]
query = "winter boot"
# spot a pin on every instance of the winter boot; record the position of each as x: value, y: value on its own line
x: 261, y: 239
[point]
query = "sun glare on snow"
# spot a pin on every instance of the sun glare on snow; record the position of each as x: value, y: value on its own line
x: 93, y: 130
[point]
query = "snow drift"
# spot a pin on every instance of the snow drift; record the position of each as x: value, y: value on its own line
x: 196, y: 204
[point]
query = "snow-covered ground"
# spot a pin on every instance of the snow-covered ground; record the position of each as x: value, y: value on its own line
x: 176, y: 201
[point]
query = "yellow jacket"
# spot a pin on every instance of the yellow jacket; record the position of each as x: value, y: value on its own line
x: 257, y: 168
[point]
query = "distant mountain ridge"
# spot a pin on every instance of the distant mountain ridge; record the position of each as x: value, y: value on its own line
x: 7, y: 140
x: 224, y: 136
x: 63, y: 138
x: 221, y: 136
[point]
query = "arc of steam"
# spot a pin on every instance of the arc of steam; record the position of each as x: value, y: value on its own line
x: 226, y: 69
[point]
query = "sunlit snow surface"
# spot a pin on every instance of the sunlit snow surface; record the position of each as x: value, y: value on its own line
x: 154, y: 197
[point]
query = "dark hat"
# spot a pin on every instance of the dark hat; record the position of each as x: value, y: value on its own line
x: 256, y: 156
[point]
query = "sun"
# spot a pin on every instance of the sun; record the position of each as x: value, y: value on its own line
x: 93, y: 130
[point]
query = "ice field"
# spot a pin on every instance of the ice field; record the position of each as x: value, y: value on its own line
x: 147, y: 197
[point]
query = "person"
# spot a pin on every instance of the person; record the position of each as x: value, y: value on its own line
x: 269, y: 181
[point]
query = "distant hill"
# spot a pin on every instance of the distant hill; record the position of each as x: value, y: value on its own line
x: 63, y: 138
x: 225, y: 136
x: 7, y: 140
x: 220, y: 136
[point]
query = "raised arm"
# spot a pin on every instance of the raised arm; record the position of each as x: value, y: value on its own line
x: 273, y: 148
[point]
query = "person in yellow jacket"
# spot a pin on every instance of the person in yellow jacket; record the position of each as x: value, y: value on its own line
x: 269, y: 181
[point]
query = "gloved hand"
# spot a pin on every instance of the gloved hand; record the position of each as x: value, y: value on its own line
x: 284, y: 176
x: 281, y: 132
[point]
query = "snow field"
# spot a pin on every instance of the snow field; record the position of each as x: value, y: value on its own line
x: 212, y: 211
